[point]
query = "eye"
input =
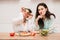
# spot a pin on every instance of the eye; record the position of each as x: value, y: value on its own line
x: 41, y: 8
x: 38, y: 9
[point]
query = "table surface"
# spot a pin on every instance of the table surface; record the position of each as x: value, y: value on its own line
x: 53, y: 36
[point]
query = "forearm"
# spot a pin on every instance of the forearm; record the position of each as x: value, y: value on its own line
x: 36, y: 22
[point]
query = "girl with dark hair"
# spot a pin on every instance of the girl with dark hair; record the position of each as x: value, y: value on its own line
x: 44, y: 18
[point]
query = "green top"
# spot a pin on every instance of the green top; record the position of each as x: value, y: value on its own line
x: 49, y: 24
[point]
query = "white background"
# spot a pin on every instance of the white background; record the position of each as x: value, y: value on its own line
x: 9, y: 9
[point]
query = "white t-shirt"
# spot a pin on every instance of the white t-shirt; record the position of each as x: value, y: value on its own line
x: 27, y: 27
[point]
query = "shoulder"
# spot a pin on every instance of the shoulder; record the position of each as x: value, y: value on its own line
x: 52, y: 17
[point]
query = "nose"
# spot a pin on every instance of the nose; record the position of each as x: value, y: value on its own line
x: 40, y: 11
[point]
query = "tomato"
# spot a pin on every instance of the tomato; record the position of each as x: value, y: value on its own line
x: 12, y: 34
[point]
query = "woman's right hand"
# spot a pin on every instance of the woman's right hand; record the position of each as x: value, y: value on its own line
x: 39, y: 17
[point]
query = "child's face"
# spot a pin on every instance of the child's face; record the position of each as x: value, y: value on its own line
x: 26, y: 13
